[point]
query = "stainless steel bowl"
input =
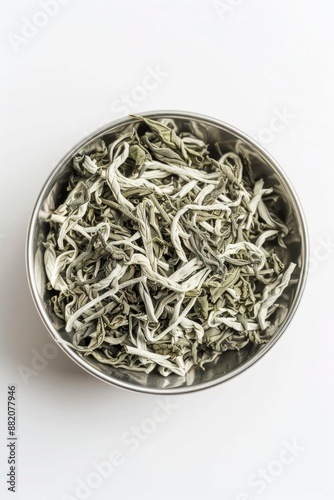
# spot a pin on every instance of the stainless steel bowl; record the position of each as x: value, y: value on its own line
x: 231, y: 363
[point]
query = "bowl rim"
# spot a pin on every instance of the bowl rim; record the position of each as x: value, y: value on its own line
x: 29, y: 256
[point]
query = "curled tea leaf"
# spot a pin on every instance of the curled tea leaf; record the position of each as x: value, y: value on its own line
x: 164, y: 253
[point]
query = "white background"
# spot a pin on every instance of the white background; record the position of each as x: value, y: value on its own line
x: 243, y: 63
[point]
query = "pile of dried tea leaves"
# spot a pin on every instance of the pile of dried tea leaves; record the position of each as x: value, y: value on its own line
x: 161, y: 256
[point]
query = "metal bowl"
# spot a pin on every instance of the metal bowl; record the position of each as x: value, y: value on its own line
x: 230, y: 363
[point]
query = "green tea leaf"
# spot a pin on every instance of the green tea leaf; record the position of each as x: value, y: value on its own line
x: 164, y: 253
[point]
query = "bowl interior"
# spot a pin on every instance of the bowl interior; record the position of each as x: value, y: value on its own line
x: 229, y: 363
